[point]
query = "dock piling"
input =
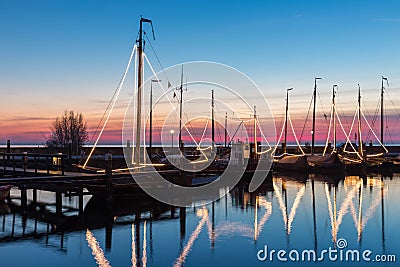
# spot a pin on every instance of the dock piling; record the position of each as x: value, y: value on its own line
x: 34, y: 196
x: 62, y: 164
x: 80, y: 200
x: 25, y: 162
x: 8, y: 151
x: 108, y: 172
x: 58, y: 203
x: 36, y: 166
x: 24, y: 198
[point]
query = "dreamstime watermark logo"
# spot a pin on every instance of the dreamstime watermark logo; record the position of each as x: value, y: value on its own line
x: 209, y: 90
x: 338, y: 253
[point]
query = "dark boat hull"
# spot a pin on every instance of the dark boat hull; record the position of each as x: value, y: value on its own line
x: 291, y: 163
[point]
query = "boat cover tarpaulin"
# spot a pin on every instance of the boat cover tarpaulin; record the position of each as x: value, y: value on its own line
x: 291, y: 163
x: 320, y: 159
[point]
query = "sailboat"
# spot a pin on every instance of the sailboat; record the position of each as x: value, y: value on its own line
x: 286, y: 162
x: 378, y: 162
x: 355, y: 161
x: 325, y: 163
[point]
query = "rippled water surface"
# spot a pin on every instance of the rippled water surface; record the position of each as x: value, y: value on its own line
x: 291, y: 213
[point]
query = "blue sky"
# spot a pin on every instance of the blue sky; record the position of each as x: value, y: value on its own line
x: 60, y: 54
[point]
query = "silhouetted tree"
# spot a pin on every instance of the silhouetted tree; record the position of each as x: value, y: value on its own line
x: 68, y: 130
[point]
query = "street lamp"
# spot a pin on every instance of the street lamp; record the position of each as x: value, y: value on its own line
x: 172, y: 137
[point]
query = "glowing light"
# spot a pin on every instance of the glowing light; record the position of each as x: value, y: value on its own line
x: 133, y: 247
x: 329, y: 131
x: 359, y: 221
x: 288, y: 220
x: 374, y: 133
x: 112, y: 106
x: 182, y: 257
x: 262, y: 134
x: 261, y: 201
x: 144, y: 257
x: 279, y: 139
x: 169, y: 100
x: 347, y: 136
x: 348, y: 202
x: 97, y: 252
x: 294, y: 134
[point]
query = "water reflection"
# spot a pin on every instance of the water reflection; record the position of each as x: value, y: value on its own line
x: 96, y: 250
x: 203, y: 214
x: 288, y: 212
x: 283, y: 205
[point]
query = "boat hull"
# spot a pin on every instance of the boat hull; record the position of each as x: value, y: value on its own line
x: 291, y: 163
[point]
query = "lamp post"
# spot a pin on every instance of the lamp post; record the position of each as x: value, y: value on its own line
x: 172, y: 137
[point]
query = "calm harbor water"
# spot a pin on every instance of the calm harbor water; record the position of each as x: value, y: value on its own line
x: 291, y: 213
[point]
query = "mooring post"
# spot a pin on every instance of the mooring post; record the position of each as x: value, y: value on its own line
x: 128, y: 152
x: 13, y: 164
x: 109, y: 229
x: 34, y: 196
x: 109, y: 195
x: 62, y: 240
x: 58, y: 202
x: 4, y: 163
x: 13, y: 225
x: 182, y: 220
x: 24, y: 198
x: 25, y: 161
x: 108, y: 172
x: 80, y: 196
x: 24, y: 219
x: 47, y: 165
x: 36, y: 165
x: 371, y: 148
x: 4, y: 223
x: 62, y: 163
x: 47, y: 233
x: 8, y: 149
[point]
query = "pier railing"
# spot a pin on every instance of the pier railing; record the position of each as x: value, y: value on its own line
x: 32, y: 163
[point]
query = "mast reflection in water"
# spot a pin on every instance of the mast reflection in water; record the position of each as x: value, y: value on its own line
x: 291, y: 212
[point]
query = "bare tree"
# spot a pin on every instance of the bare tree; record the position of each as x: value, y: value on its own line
x: 68, y: 132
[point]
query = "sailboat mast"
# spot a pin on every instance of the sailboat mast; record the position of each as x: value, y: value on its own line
x: 255, y: 132
x: 139, y: 94
x: 151, y: 119
x: 286, y: 118
x: 140, y: 89
x: 226, y: 125
x: 313, y: 122
x: 360, y: 145
x: 334, y: 116
x: 212, y: 119
x: 382, y: 110
x: 180, y: 110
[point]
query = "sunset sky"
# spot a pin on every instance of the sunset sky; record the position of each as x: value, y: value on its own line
x: 58, y: 55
